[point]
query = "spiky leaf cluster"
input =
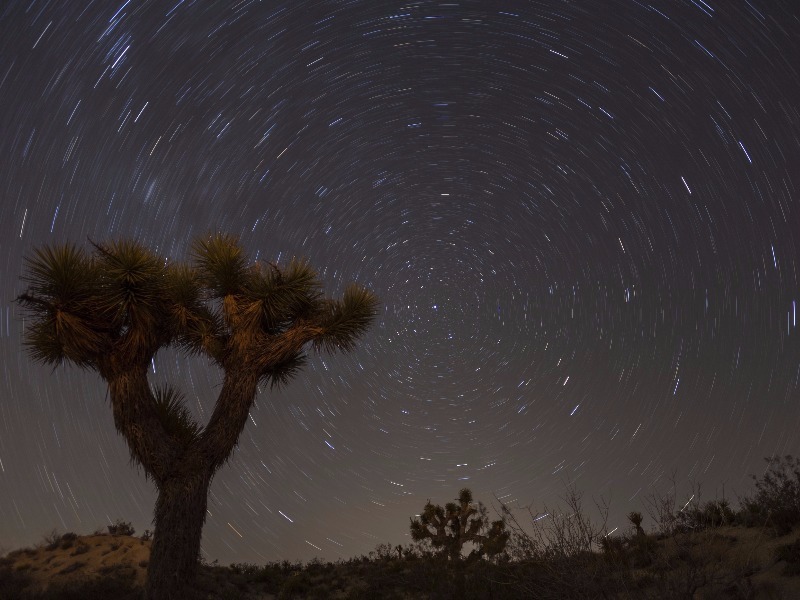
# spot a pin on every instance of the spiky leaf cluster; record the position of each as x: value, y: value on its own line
x: 68, y: 321
x: 120, y: 301
x: 123, y: 302
x: 171, y: 411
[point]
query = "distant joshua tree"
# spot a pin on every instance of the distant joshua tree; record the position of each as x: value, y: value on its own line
x: 636, y: 520
x: 448, y: 529
x: 113, y: 309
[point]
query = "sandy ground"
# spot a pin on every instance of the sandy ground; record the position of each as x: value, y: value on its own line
x: 84, y: 558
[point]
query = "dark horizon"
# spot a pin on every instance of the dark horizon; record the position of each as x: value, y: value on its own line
x: 582, y: 223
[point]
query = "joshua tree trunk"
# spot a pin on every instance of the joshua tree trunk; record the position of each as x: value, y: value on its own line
x: 179, y: 516
x: 459, y: 572
x: 183, y: 495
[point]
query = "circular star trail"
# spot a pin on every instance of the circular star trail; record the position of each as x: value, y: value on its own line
x: 581, y: 219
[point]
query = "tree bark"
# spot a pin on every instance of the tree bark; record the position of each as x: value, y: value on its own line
x: 132, y: 401
x: 179, y: 517
x: 460, y: 584
x: 221, y: 434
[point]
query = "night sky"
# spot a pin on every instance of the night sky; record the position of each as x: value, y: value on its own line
x: 582, y: 219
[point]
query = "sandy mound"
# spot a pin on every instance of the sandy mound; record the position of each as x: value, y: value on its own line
x: 82, y: 558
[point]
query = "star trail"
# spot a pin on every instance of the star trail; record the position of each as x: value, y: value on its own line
x: 581, y: 218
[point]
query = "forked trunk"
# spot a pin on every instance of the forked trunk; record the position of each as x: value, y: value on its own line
x: 179, y: 517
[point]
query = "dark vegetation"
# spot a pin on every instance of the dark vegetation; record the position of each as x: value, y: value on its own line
x: 694, y: 549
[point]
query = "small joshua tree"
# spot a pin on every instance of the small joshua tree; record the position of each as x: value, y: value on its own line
x: 448, y: 528
x: 636, y: 520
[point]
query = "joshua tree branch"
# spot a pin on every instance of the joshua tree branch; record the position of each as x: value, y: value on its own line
x: 227, y: 422
x: 135, y: 418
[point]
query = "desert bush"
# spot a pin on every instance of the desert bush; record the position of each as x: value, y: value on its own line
x: 383, y: 552
x: 564, y: 553
x: 52, y: 540
x: 791, y: 554
x: 297, y: 585
x: 245, y: 569
x: 80, y: 549
x: 776, y: 501
x: 12, y: 582
x: 271, y: 577
x: 692, y: 516
x: 641, y: 551
x: 718, y: 513
x: 613, y: 547
x: 563, y: 532
x: 120, y: 527
x: 68, y: 540
x: 662, y: 507
x: 116, y: 587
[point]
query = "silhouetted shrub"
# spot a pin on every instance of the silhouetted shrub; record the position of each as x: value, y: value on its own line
x: 121, y: 527
x: 697, y: 517
x: 718, y: 513
x: 791, y: 554
x: 118, y: 588
x: 12, y: 582
x: 244, y: 568
x: 297, y: 585
x: 641, y: 550
x: 612, y: 547
x: 776, y: 502
x: 52, y: 540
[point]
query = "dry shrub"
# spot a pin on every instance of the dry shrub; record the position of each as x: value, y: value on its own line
x: 776, y: 501
x: 560, y: 554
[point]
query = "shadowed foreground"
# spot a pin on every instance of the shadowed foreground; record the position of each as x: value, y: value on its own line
x: 701, y: 550
x: 726, y: 562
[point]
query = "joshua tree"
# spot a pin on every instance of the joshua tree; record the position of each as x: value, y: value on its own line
x: 636, y: 520
x: 449, y: 528
x: 112, y: 309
